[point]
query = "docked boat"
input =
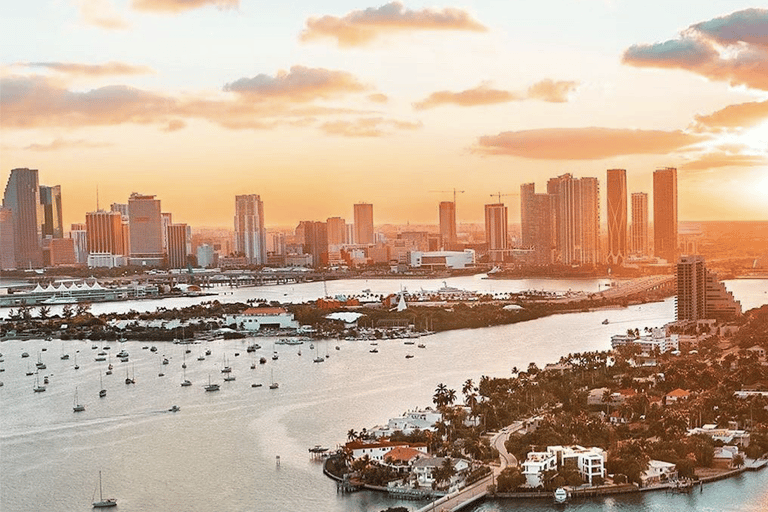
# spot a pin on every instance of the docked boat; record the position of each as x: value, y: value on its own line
x: 561, y: 495
x: 77, y: 407
x: 103, y: 503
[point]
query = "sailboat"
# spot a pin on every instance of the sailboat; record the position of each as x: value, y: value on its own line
x: 77, y: 366
x: 102, y: 389
x: 38, y: 388
x: 227, y: 368
x: 185, y: 382
x: 211, y: 387
x: 129, y: 380
x: 103, y: 503
x: 273, y: 385
x: 77, y: 407
x: 184, y: 364
x: 317, y: 358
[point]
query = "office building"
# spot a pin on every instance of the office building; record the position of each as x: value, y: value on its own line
x: 700, y: 295
x: 363, y: 214
x: 639, y: 230
x: 315, y: 241
x: 166, y: 219
x: 616, y: 191
x: 496, y: 231
x: 7, y: 244
x: 60, y: 251
x: 337, y: 231
x: 448, y: 224
x: 250, y: 235
x: 122, y: 208
x: 105, y: 232
x: 146, y: 231
x: 179, y: 245
x: 665, y: 214
x: 50, y: 212
x: 79, y: 235
x: 22, y: 197
x: 206, y: 257
x: 576, y: 207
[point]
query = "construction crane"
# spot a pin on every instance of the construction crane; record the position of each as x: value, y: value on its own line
x: 500, y: 195
x: 454, y: 191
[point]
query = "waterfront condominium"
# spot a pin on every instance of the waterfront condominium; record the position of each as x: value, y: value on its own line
x: 616, y: 191
x: 363, y: 215
x: 179, y: 245
x: 448, y: 224
x: 665, y: 214
x: 250, y: 235
x: 146, y: 230
x: 537, y: 223
x: 496, y: 231
x: 639, y: 230
x: 22, y: 197
x: 576, y: 219
x: 700, y: 295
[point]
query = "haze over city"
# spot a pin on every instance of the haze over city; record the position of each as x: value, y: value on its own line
x: 316, y: 108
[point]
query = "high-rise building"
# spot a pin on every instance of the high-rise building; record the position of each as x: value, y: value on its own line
x: 576, y: 219
x: 120, y: 207
x: 52, y: 224
x: 448, y: 223
x: 60, y: 251
x: 22, y: 196
x: 316, y: 241
x: 166, y: 219
x: 665, y: 214
x: 616, y: 191
x: 179, y: 245
x: 496, y: 230
x: 537, y: 217
x: 105, y: 232
x: 146, y: 230
x: 363, y: 213
x: 337, y: 231
x: 205, y: 256
x: 7, y: 243
x: 700, y: 294
x: 250, y: 235
x: 639, y: 230
x: 79, y: 234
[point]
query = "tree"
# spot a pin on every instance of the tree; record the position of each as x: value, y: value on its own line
x: 43, y: 312
x: 509, y: 480
x: 351, y: 434
x: 67, y: 311
x: 738, y: 460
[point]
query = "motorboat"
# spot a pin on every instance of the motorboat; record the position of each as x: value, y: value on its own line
x: 175, y: 408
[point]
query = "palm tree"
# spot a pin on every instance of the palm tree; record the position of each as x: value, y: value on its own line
x: 351, y: 435
x: 450, y: 396
x: 440, y: 394
x: 467, y: 388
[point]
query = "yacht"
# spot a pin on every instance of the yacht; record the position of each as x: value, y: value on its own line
x: 212, y: 387
x: 77, y: 407
x: 104, y: 503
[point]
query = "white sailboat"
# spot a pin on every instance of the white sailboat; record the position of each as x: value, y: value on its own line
x: 77, y: 407
x: 273, y: 385
x: 102, y: 389
x: 38, y: 388
x: 211, y: 387
x: 103, y: 503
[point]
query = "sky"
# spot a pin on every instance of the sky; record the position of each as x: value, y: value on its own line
x: 317, y: 106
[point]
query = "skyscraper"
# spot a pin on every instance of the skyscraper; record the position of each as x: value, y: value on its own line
x: 665, y: 214
x: 527, y: 214
x: 496, y: 230
x: 363, y: 214
x: 146, y: 230
x: 537, y: 223
x: 316, y: 241
x: 576, y: 219
x: 250, y: 235
x: 7, y: 244
x: 337, y: 231
x: 617, y: 216
x: 51, y: 216
x: 22, y: 197
x: 79, y: 234
x: 179, y: 245
x: 448, y: 223
x: 105, y: 232
x: 700, y: 294
x: 639, y: 229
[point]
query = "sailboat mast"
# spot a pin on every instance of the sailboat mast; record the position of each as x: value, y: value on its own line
x: 100, y: 496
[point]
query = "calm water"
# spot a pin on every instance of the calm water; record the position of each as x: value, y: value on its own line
x: 219, y: 451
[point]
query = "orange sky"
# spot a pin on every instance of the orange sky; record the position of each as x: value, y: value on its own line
x: 316, y: 109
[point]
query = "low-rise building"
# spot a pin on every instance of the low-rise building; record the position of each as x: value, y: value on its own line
x: 725, y: 435
x: 536, y: 463
x: 253, y: 319
x: 377, y: 450
x: 442, y: 259
x: 589, y: 462
x: 676, y: 395
x: 424, y: 469
x: 658, y: 472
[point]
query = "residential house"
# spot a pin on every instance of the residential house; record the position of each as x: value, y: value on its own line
x: 536, y: 463
x: 658, y: 472
x: 378, y: 449
x: 424, y: 469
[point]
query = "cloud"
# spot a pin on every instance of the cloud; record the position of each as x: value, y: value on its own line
x: 741, y: 115
x: 719, y: 159
x: 175, y: 6
x: 583, y: 143
x: 378, y: 98
x: 91, y: 70
x: 732, y: 48
x: 37, y: 101
x: 552, y: 91
x: 58, y: 144
x: 361, y: 27
x: 101, y: 13
x: 483, y: 94
x: 366, y: 127
x: 299, y: 84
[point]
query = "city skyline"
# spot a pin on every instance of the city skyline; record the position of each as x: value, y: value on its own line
x: 372, y: 92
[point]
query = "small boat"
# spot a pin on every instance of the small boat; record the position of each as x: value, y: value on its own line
x: 255, y: 385
x: 263, y: 360
x: 64, y: 357
x: 561, y: 495
x: 103, y: 503
x: 229, y: 378
x: 175, y: 408
x: 45, y: 380
x: 100, y: 358
x: 237, y: 354
x: 210, y: 386
x: 374, y: 351
x: 38, y: 388
x: 153, y: 348
x: 408, y: 356
x: 94, y: 347
x: 185, y: 382
x: 145, y: 347
x: 421, y: 345
x: 605, y: 322
x: 29, y: 372
x: 102, y: 390
x: 408, y: 342
x: 253, y: 366
x: 299, y: 352
x: 337, y: 347
x: 208, y: 352
x: 129, y: 380
x: 273, y: 385
x: 25, y: 354
x: 77, y: 407
x: 77, y: 366
x: 275, y: 356
x: 201, y: 358
x: 165, y: 360
x: 102, y: 353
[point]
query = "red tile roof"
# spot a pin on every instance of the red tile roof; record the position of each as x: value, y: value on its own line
x: 402, y: 454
